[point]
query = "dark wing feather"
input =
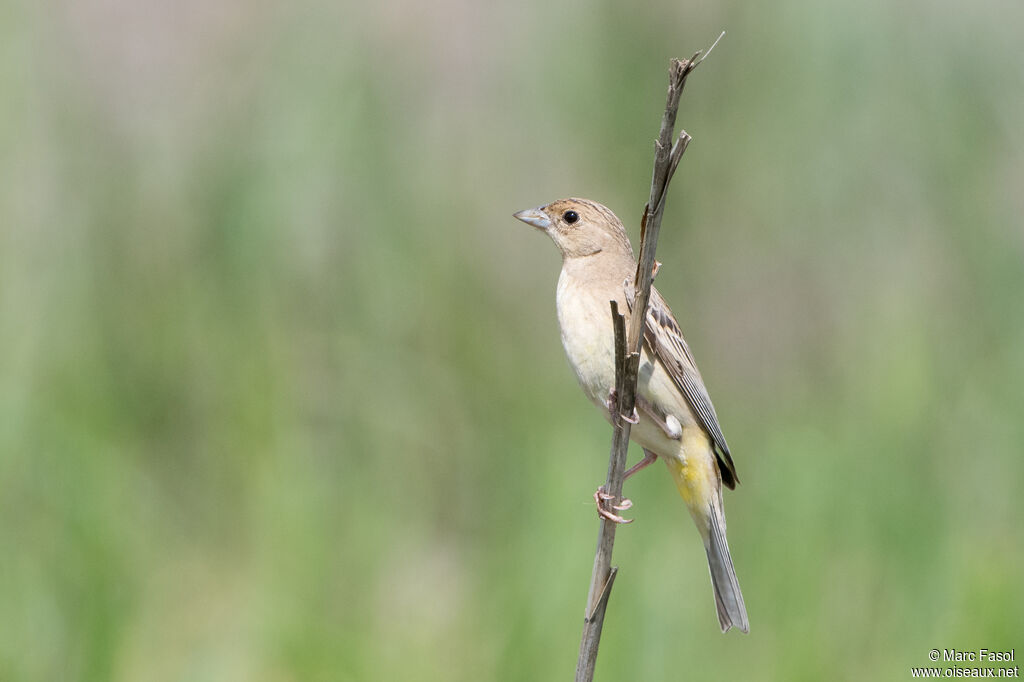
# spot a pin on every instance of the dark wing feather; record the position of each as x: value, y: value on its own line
x: 665, y: 342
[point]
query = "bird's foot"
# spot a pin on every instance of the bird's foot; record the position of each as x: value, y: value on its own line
x: 612, y: 403
x: 602, y: 499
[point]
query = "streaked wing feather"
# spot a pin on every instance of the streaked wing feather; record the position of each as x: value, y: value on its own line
x: 665, y: 341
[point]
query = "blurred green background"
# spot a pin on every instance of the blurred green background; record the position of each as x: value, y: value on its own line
x: 281, y: 386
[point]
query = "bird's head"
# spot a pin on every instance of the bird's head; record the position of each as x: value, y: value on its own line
x: 579, y: 227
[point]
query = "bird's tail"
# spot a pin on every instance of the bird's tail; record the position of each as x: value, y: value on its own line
x: 732, y: 612
x: 703, y: 495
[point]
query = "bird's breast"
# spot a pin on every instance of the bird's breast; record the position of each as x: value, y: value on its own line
x: 585, y: 319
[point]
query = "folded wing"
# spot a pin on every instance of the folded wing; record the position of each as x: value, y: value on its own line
x: 665, y: 342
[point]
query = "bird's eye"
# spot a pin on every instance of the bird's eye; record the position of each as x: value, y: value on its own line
x: 570, y: 217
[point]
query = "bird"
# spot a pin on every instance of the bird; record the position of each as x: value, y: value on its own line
x: 674, y: 419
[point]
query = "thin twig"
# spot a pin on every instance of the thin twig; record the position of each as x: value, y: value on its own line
x: 707, y: 52
x: 627, y: 358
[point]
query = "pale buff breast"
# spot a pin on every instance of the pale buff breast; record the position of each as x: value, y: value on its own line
x: 586, y: 326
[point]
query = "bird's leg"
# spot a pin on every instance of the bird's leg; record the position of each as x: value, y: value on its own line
x: 649, y: 458
x: 602, y: 498
x: 668, y: 422
x: 612, y: 403
x: 670, y: 425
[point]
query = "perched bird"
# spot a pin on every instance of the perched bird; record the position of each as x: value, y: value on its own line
x: 676, y: 421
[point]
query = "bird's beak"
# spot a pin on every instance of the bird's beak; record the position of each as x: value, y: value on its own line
x: 535, y: 217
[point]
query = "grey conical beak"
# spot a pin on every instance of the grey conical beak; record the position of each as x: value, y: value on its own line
x: 535, y: 217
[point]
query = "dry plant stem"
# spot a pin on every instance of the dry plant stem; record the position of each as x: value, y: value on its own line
x: 603, y: 574
x: 627, y: 360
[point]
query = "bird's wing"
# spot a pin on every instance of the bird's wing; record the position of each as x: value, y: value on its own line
x: 665, y: 342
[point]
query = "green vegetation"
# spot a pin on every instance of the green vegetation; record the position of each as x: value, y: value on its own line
x: 281, y: 388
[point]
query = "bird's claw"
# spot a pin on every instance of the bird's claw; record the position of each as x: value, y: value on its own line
x: 601, y: 498
x: 612, y: 403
